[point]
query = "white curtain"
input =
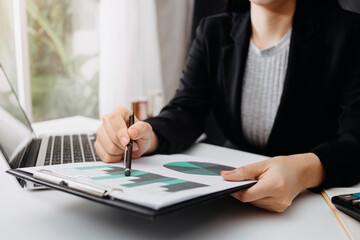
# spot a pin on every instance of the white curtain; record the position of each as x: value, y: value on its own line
x: 174, y: 26
x: 129, y: 52
x: 136, y: 57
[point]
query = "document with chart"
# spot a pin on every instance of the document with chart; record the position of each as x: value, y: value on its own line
x: 155, y: 182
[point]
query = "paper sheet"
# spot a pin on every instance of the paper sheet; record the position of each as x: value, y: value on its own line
x: 156, y: 181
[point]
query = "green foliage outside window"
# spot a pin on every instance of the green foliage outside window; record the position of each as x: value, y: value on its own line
x: 58, y: 86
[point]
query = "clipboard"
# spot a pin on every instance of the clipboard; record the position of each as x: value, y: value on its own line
x: 126, y: 206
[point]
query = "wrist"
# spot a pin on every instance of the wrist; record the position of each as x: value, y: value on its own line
x: 154, y: 143
x: 313, y: 170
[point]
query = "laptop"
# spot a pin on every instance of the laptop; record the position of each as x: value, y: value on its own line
x: 21, y: 147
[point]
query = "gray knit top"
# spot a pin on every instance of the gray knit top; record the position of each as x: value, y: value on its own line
x: 262, y: 89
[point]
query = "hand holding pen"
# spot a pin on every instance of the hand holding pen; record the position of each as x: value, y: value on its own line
x: 114, y: 135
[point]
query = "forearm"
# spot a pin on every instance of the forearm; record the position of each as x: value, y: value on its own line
x: 176, y: 130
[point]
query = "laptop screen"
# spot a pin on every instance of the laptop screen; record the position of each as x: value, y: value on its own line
x: 15, y: 128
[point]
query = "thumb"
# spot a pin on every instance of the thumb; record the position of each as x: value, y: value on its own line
x: 247, y: 172
x: 140, y: 130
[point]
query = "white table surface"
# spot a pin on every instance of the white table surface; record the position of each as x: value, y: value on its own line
x: 50, y: 214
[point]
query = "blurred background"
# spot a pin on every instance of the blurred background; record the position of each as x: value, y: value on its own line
x: 84, y: 57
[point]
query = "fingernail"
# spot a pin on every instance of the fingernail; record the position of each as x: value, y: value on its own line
x: 123, y: 141
x: 226, y: 172
x: 133, y: 133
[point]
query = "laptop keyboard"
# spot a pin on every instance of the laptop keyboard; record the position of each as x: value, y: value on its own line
x: 71, y: 149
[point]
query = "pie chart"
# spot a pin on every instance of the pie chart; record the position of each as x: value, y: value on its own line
x: 198, y: 168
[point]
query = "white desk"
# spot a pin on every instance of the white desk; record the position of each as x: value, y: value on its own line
x: 50, y: 214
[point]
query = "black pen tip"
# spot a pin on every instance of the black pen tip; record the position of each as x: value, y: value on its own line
x: 127, y: 172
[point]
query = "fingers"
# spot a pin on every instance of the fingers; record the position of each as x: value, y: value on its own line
x: 115, y: 125
x: 251, y: 171
x: 108, y: 146
x: 272, y: 204
x: 279, y: 182
x: 247, y: 172
x: 108, y: 158
x: 258, y: 191
x: 140, y: 130
x: 112, y: 136
x: 263, y: 200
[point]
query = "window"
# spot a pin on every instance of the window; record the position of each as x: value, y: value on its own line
x: 64, y: 53
x: 7, y: 46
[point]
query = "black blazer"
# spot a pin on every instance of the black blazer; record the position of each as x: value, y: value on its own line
x: 319, y: 110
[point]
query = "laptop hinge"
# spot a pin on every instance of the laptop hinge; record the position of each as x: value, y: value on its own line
x: 31, y: 154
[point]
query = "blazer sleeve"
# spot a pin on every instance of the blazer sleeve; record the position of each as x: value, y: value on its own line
x: 341, y: 156
x: 182, y: 120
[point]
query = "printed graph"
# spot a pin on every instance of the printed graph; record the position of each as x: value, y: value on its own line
x: 147, y: 182
x: 198, y: 168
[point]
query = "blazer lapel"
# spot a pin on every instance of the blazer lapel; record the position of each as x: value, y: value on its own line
x: 296, y: 80
x: 233, y: 61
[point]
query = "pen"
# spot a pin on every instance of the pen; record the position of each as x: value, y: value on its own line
x: 128, y: 150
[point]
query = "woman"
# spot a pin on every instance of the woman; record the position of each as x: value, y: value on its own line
x: 283, y: 79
